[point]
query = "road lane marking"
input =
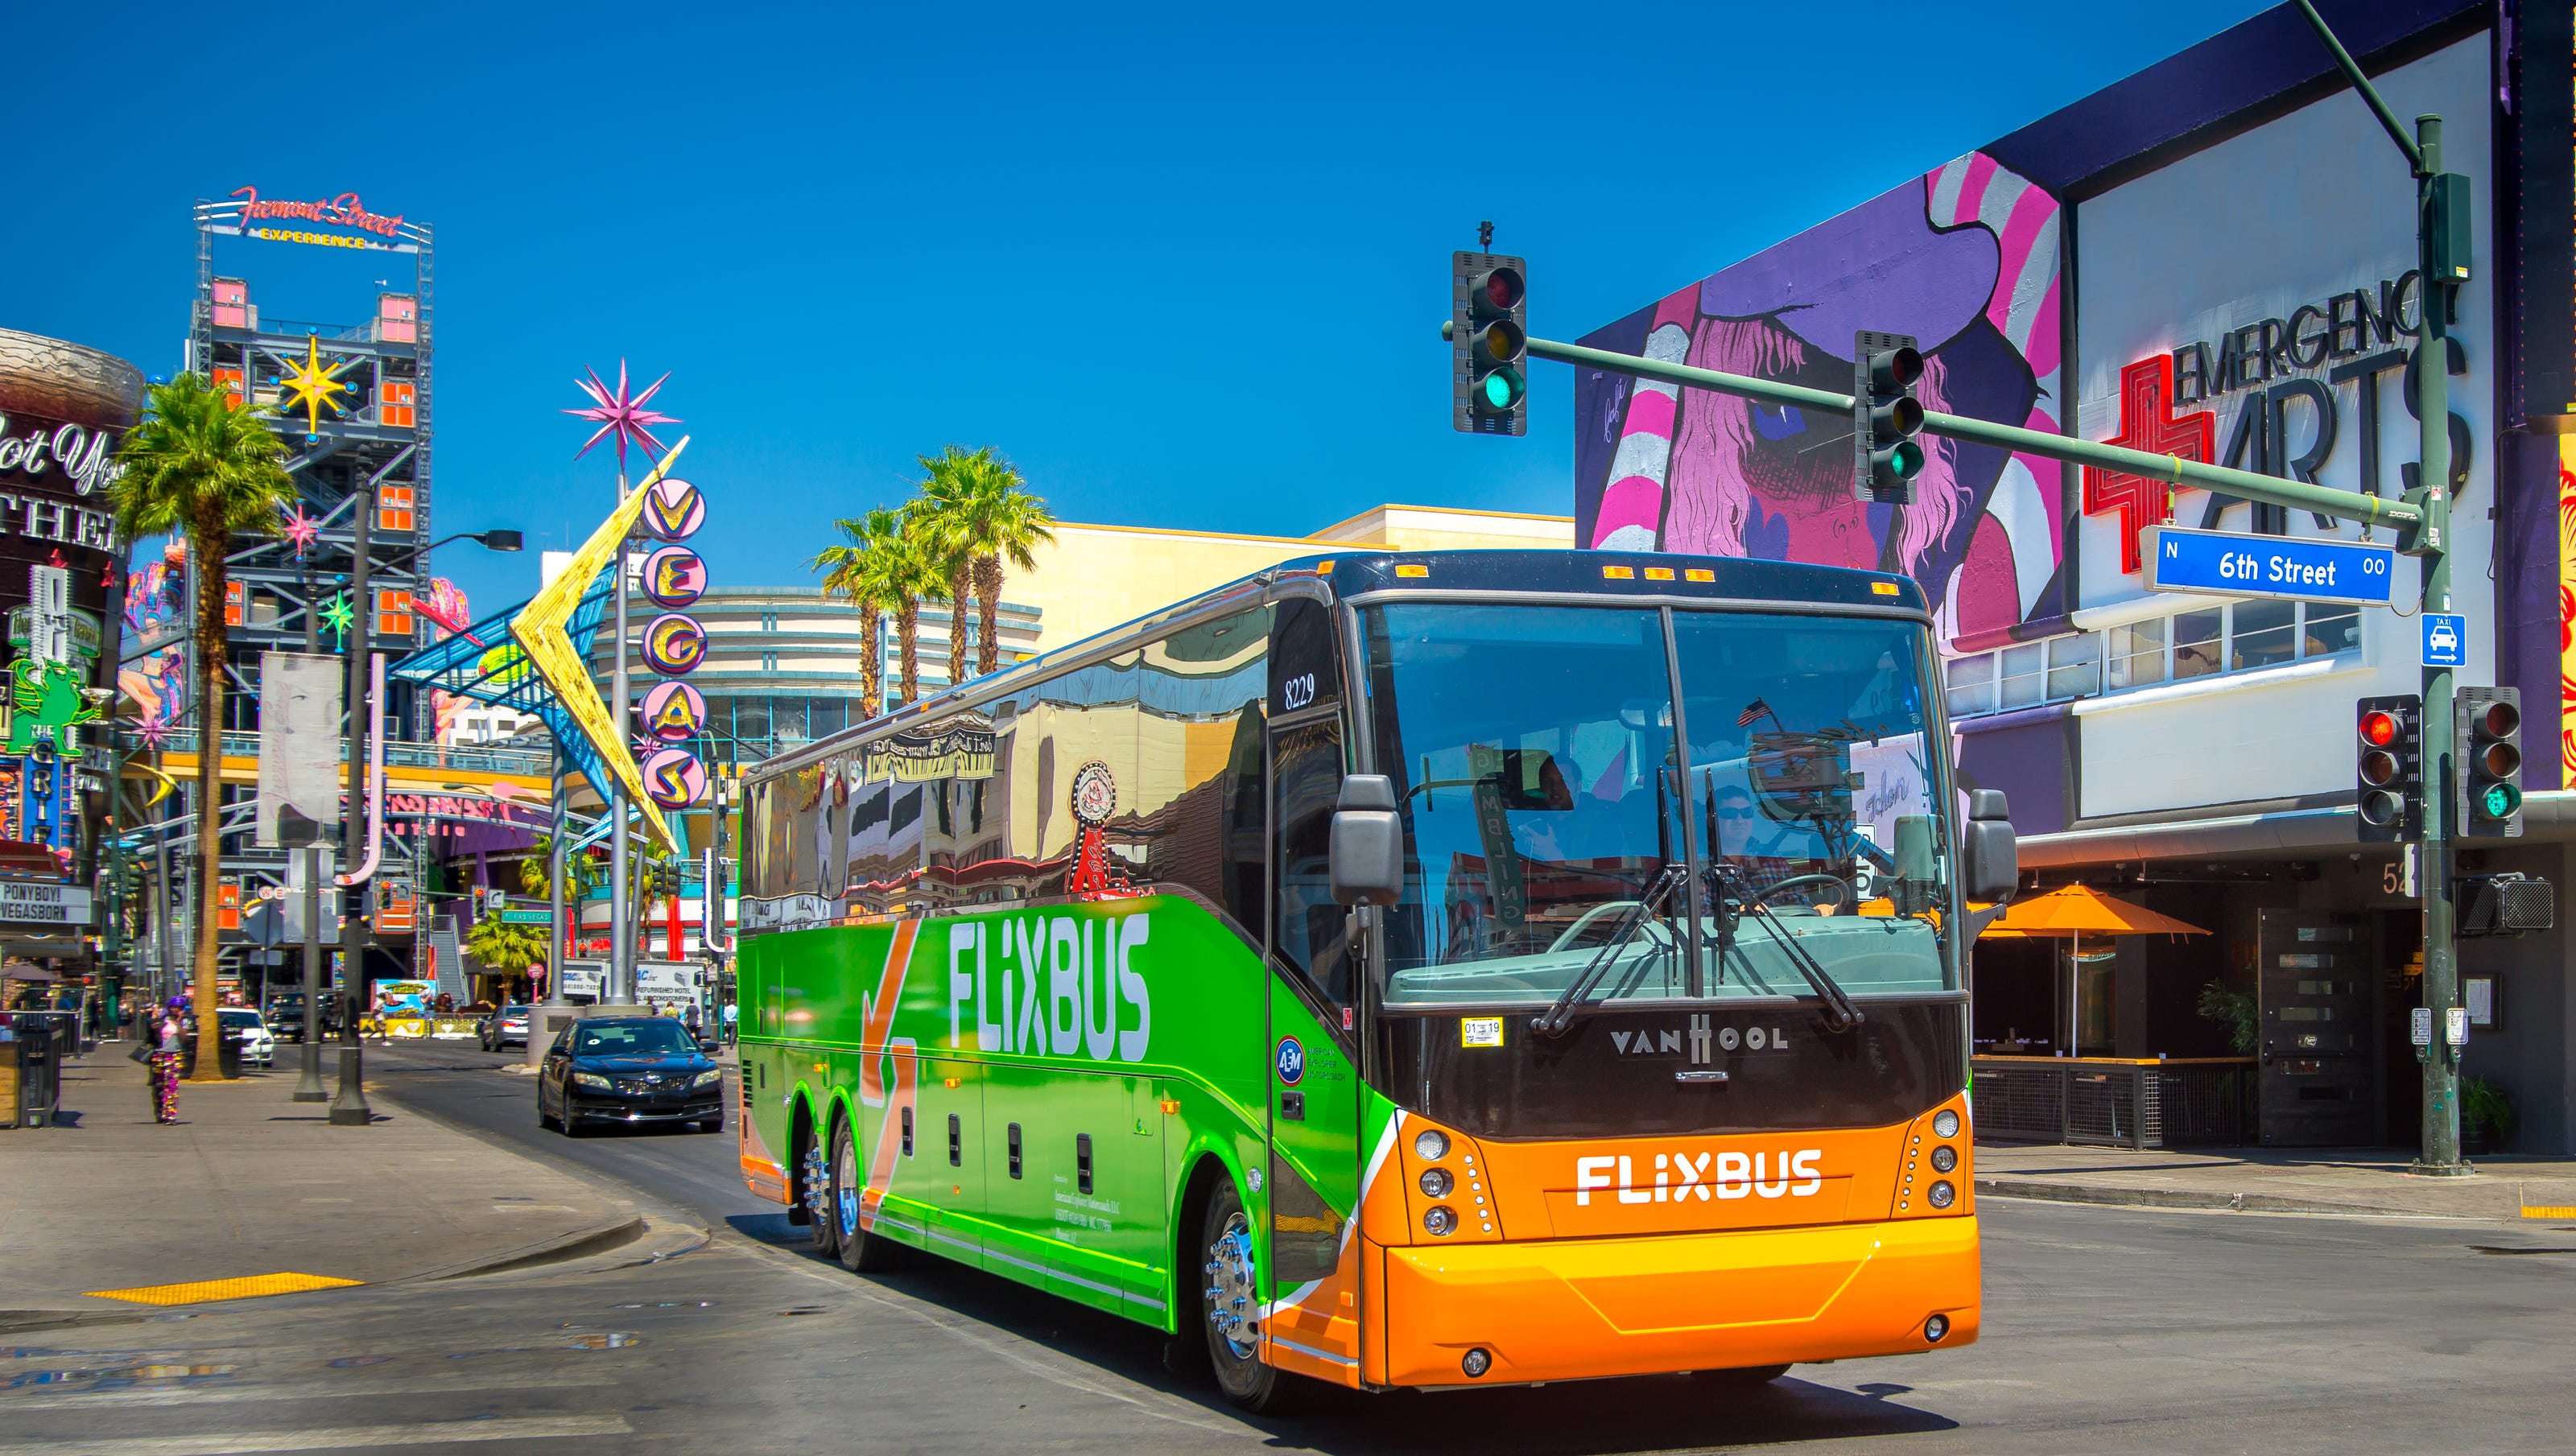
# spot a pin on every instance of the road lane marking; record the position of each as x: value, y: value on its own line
x: 239, y: 1443
x: 203, y: 1291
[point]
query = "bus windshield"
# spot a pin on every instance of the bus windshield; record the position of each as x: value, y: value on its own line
x: 1572, y: 825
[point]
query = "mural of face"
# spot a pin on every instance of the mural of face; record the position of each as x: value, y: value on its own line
x: 1965, y: 260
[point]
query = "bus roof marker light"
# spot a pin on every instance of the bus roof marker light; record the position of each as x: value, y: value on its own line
x: 1618, y: 573
x: 1698, y: 573
x: 1411, y: 572
x: 1883, y: 588
x: 1659, y: 573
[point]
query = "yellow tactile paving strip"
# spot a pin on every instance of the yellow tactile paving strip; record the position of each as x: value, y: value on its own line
x: 249, y: 1286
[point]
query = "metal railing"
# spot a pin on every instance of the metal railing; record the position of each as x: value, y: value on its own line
x: 2114, y: 1102
x: 481, y: 758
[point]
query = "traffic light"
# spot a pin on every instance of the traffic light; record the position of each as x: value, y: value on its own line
x: 1489, y: 343
x: 2487, y: 734
x: 2388, y: 766
x: 1885, y: 417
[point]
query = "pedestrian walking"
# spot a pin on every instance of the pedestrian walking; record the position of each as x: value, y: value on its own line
x: 729, y: 1014
x: 163, y: 1067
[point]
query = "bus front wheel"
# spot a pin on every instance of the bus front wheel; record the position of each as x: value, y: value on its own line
x: 1229, y: 1275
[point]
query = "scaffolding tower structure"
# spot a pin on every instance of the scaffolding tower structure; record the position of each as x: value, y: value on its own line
x: 376, y: 432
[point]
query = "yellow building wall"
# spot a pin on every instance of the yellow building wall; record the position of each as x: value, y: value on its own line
x: 1096, y: 577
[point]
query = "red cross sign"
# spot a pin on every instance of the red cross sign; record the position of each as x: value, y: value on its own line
x: 2146, y: 423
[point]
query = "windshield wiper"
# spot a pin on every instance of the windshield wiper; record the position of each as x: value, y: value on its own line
x: 1840, y: 1013
x: 1556, y: 1018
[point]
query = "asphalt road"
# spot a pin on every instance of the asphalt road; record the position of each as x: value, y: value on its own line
x: 2106, y: 1330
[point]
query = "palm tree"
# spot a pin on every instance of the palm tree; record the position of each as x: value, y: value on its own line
x: 199, y: 465
x: 984, y: 516
x: 908, y: 569
x: 939, y: 513
x: 848, y: 572
x: 886, y: 564
x: 507, y: 948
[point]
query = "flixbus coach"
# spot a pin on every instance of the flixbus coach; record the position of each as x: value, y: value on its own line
x: 1400, y: 969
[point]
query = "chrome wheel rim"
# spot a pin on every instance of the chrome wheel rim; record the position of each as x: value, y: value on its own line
x: 1230, y: 1287
x: 845, y: 1186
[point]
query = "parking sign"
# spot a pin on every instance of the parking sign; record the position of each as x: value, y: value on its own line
x: 2446, y: 637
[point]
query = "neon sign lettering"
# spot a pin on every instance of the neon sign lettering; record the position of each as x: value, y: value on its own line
x: 344, y: 210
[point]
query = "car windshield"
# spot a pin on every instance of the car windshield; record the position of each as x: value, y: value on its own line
x: 1555, y: 818
x: 238, y: 1018
x: 638, y: 1038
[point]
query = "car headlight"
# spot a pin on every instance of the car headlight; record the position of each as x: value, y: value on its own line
x: 708, y: 1078
x: 591, y: 1080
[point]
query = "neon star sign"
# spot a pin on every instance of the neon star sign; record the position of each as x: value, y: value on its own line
x: 314, y: 387
x: 620, y: 415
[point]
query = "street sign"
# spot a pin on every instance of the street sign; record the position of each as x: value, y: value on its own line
x: 538, y: 915
x: 2225, y: 563
x: 2446, y: 637
x: 2419, y: 1028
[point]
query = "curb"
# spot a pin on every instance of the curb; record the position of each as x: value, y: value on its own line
x: 544, y: 1251
x: 2115, y: 1197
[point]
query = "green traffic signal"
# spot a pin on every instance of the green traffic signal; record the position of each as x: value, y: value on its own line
x: 1907, y: 458
x: 2499, y: 801
x: 1502, y: 389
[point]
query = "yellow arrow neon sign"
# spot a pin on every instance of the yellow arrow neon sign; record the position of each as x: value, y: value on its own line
x: 543, y: 631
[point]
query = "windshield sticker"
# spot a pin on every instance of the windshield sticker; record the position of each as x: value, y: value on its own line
x: 1480, y: 1031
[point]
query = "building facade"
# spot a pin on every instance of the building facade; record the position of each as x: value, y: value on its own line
x: 2214, y: 258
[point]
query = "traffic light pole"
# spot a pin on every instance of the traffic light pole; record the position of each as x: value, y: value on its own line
x: 2407, y: 516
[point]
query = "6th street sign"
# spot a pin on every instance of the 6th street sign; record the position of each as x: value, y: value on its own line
x: 2222, y: 563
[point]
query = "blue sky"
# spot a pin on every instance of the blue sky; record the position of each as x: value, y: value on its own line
x: 1184, y: 267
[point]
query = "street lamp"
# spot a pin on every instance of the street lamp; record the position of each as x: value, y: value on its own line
x: 494, y: 540
x: 350, y: 1108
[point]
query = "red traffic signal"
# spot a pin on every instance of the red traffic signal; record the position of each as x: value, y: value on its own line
x: 2388, y: 774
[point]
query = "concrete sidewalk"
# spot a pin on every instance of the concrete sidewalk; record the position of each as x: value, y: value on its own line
x: 2262, y: 1180
x: 249, y: 1183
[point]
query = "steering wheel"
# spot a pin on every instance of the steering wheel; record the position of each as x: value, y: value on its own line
x: 1654, y: 929
x: 1850, y: 897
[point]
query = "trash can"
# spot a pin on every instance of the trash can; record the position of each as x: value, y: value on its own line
x: 228, y: 1060
x: 42, y: 1041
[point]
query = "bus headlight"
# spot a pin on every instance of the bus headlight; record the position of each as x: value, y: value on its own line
x: 1432, y: 1144
x: 1944, y: 1158
x: 1945, y: 1123
x: 1436, y: 1182
x: 1441, y: 1220
x: 1942, y: 1195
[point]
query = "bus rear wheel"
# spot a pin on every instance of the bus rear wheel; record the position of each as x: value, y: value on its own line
x: 1230, y: 1274
x: 817, y: 1193
x: 859, y: 1253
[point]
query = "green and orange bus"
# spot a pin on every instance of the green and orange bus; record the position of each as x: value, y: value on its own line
x: 1401, y: 969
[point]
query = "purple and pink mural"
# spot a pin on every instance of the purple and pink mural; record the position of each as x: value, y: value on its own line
x: 1966, y: 260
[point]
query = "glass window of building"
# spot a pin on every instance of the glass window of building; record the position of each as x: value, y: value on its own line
x: 2265, y: 633
x: 2196, y: 638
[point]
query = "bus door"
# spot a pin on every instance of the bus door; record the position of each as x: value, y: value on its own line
x: 1309, y: 1197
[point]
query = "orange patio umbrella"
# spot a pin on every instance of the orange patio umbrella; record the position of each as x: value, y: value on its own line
x: 2076, y: 911
x: 2079, y: 910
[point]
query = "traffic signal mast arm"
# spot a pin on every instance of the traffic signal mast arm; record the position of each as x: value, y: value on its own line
x: 2269, y: 489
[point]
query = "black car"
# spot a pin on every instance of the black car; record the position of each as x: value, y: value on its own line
x: 629, y: 1069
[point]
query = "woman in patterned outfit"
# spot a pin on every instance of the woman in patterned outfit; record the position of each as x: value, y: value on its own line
x: 165, y: 1066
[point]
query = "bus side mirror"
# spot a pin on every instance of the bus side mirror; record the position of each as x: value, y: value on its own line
x: 1992, y: 857
x: 1368, y: 843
